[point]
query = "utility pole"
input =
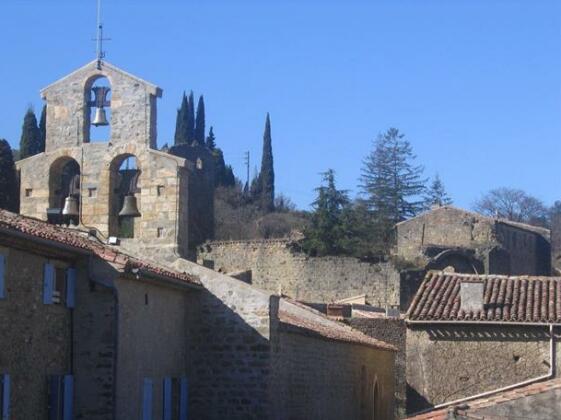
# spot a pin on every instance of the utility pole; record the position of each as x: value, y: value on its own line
x: 246, y: 161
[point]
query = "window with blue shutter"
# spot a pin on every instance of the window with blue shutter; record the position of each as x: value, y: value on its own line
x: 48, y: 283
x: 147, y: 399
x: 5, y: 396
x: 68, y: 398
x: 168, y: 399
x: 2, y: 276
x: 174, y: 398
x: 183, y: 398
x: 71, y: 288
x: 61, y: 397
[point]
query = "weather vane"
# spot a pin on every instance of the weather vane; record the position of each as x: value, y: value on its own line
x: 99, y: 39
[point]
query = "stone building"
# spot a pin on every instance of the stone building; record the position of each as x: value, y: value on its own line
x: 95, y: 173
x: 471, y: 336
x: 471, y: 243
x: 108, y: 320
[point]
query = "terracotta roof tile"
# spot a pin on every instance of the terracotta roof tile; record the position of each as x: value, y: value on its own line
x: 491, y: 400
x: 318, y: 324
x: 505, y: 299
x: 79, y: 240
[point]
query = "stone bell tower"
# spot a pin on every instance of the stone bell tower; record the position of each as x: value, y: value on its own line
x: 113, y: 181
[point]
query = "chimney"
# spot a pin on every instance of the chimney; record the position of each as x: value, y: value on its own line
x: 471, y: 296
x: 556, y: 243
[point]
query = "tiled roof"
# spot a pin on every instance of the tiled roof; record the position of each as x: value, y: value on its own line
x: 471, y: 406
x: 308, y: 321
x: 80, y: 241
x: 506, y: 299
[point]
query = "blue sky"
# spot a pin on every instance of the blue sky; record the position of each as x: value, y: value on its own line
x: 474, y: 85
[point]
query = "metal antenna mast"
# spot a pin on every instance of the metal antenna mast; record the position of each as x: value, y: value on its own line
x: 99, y: 39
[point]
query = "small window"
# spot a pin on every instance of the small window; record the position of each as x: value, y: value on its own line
x: 160, y: 232
x: 199, y: 163
x: 59, y: 291
x: 28, y: 192
x: 60, y: 397
x: 160, y: 190
x: 175, y: 398
x: 59, y: 285
x: 92, y: 192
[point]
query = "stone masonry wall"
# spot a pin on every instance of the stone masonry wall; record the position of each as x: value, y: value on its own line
x: 153, y: 340
x: 35, y: 337
x: 230, y: 347
x: 319, y: 379
x: 94, y: 338
x: 392, y: 331
x: 131, y: 108
x: 446, y: 363
x: 275, y: 267
x: 158, y: 200
x: 445, y: 226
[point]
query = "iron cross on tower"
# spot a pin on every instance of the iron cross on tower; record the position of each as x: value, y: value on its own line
x: 99, y: 39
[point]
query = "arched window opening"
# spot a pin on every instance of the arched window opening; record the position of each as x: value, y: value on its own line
x: 376, y: 412
x: 124, y: 205
x: 64, y: 192
x: 98, y: 111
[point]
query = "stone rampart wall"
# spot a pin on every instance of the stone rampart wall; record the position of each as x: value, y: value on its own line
x: 275, y: 267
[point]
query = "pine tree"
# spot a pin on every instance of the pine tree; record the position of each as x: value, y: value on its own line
x: 267, y: 174
x: 326, y: 233
x: 181, y: 132
x: 30, y: 143
x: 436, y: 194
x: 43, y: 128
x: 391, y: 182
x: 211, y: 140
x: 200, y: 122
x: 9, y: 197
x: 190, y: 118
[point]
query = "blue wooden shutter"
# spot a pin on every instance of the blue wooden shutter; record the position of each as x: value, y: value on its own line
x: 183, y: 399
x: 2, y: 276
x: 68, y: 403
x: 71, y: 288
x: 167, y: 399
x: 48, y: 283
x: 147, y: 400
x: 55, y: 393
x: 5, y: 395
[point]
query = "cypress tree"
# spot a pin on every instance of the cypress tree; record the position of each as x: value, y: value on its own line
x: 181, y: 133
x: 211, y: 140
x: 43, y: 128
x: 190, y: 118
x: 200, y: 122
x: 30, y: 143
x: 9, y: 196
x: 219, y: 167
x: 267, y: 174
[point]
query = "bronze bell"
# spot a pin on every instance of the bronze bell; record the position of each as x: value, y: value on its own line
x: 70, y: 206
x: 100, y: 118
x: 130, y: 208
